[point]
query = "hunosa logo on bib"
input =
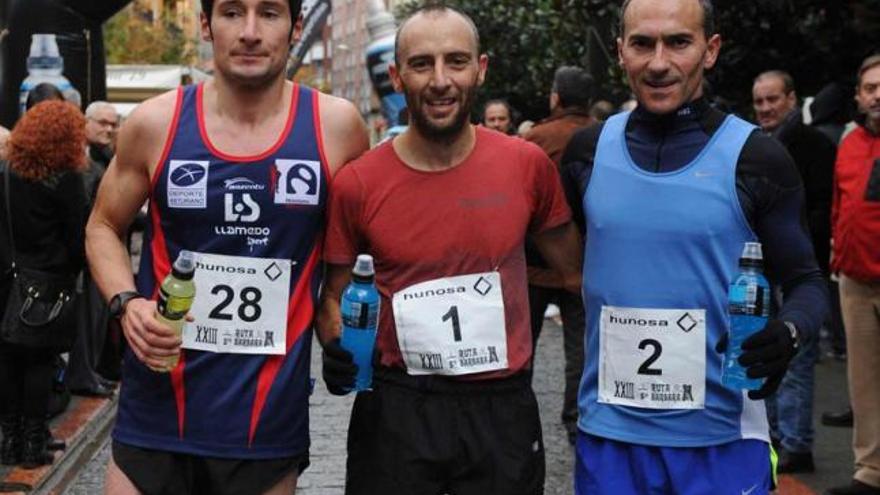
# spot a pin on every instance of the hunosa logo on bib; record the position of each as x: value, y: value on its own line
x: 433, y: 292
x: 641, y: 322
x: 225, y: 268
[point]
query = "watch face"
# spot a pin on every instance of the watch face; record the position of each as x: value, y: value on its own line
x: 117, y: 303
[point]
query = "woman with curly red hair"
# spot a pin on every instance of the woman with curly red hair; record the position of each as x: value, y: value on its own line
x: 46, y: 153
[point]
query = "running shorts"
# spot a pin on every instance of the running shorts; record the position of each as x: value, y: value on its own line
x: 604, y: 466
x: 426, y: 435
x: 157, y: 472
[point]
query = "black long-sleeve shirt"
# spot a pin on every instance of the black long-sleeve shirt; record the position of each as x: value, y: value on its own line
x: 768, y: 186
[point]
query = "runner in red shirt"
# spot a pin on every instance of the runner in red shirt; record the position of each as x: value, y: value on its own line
x: 444, y: 209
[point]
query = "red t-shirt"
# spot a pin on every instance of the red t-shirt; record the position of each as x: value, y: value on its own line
x: 472, y: 218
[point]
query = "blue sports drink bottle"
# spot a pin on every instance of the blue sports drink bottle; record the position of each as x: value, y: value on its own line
x: 749, y: 308
x: 360, y: 319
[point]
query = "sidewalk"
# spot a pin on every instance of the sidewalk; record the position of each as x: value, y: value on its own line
x: 84, y: 425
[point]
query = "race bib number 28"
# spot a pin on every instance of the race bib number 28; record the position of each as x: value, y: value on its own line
x: 240, y: 305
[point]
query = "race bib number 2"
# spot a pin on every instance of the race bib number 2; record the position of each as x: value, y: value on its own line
x: 240, y: 305
x: 652, y: 358
x: 452, y: 325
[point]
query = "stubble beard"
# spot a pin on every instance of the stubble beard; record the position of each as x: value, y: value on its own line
x: 441, y: 134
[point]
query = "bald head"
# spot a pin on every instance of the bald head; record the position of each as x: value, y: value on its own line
x: 431, y: 13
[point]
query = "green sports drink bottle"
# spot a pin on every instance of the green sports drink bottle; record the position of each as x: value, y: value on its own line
x: 176, y: 297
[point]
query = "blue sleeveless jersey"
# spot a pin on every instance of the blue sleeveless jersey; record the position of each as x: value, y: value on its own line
x: 266, y: 206
x: 668, y: 241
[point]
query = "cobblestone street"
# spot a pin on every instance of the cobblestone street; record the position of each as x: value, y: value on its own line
x: 329, y: 423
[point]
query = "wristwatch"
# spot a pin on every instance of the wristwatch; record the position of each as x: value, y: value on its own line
x: 118, y: 302
x: 793, y: 331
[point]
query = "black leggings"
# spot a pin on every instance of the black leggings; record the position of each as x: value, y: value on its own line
x: 25, y: 380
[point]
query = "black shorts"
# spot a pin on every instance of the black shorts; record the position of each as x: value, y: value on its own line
x: 157, y: 472
x: 431, y: 435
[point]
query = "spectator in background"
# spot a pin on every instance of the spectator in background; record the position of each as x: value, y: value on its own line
x: 601, y: 110
x: 569, y: 111
x: 48, y: 219
x: 790, y: 411
x: 856, y: 227
x: 82, y: 376
x: 831, y: 110
x: 59, y: 397
x: 498, y: 115
x: 102, y: 122
x: 776, y: 108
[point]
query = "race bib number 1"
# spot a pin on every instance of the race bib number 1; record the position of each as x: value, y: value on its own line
x: 452, y: 325
x: 240, y: 305
x: 652, y: 358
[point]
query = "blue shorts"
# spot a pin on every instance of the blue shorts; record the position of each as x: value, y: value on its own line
x: 607, y: 466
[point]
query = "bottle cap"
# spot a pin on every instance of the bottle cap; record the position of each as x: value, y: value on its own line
x: 752, y: 255
x: 752, y: 250
x: 363, y: 267
x: 184, y: 265
x: 44, y: 54
x: 44, y: 45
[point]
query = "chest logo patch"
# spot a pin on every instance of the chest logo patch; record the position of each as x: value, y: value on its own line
x: 299, y: 182
x: 242, y: 208
x: 187, y: 184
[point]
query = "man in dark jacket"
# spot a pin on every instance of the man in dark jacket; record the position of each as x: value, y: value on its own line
x: 569, y: 111
x: 775, y: 103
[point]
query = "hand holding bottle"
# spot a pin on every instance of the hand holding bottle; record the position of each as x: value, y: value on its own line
x: 152, y: 342
x: 360, y: 319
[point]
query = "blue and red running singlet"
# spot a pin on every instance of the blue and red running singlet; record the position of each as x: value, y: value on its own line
x: 255, y: 222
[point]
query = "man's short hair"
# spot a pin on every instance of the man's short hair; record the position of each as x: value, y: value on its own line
x: 785, y: 77
x: 574, y: 86
x: 295, y: 7
x: 95, y: 106
x: 868, y: 64
x: 708, y: 17
x: 433, y: 7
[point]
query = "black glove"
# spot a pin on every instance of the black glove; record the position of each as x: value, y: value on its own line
x: 766, y: 354
x: 339, y: 369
